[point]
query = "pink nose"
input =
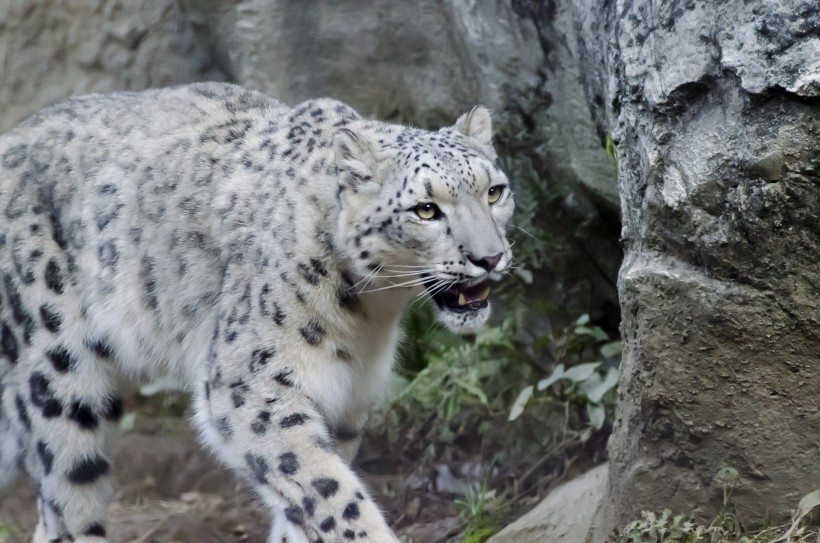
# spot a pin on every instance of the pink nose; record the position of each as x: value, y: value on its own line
x: 487, y: 262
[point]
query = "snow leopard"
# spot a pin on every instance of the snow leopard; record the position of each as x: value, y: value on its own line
x: 263, y: 255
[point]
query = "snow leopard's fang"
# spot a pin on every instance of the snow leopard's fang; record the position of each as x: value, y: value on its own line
x: 461, y: 297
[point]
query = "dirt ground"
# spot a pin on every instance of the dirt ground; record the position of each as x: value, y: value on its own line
x: 170, y: 490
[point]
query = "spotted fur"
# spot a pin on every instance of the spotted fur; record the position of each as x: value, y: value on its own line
x: 260, y: 254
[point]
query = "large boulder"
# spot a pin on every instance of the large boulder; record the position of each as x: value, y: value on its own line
x: 419, y: 62
x: 52, y: 50
x: 564, y: 516
x: 714, y: 109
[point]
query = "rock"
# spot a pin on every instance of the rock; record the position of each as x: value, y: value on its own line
x: 573, y: 143
x: 712, y: 108
x: 564, y: 516
x: 52, y: 50
x: 421, y: 62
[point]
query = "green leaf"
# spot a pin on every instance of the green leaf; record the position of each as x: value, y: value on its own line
x: 557, y: 373
x: 581, y: 372
x: 808, y: 503
x: 592, y: 331
x: 609, y: 382
x: 611, y: 349
x: 582, y: 320
x: 597, y: 415
x: 609, y: 147
x: 520, y: 403
x: 162, y: 384
x: 7, y: 530
x: 452, y: 406
x: 478, y: 535
x: 473, y: 389
x: 127, y: 421
x: 591, y: 382
x: 492, y: 335
x: 727, y: 475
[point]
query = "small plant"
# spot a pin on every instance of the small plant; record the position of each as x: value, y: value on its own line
x: 590, y: 384
x: 810, y: 503
x: 476, y: 511
x: 610, y: 147
x: 653, y: 528
x: 725, y: 527
x: 457, y: 372
x: 7, y: 531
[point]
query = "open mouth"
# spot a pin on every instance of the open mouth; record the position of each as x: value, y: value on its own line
x: 460, y: 298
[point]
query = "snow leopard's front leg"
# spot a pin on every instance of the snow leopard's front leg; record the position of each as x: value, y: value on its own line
x: 253, y: 413
x: 346, y: 438
x: 275, y: 438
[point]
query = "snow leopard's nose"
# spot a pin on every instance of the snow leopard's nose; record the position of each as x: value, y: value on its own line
x: 487, y: 262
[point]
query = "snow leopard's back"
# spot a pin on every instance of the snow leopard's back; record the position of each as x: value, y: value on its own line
x: 100, y: 190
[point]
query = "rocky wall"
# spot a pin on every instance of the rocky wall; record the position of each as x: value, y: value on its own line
x: 50, y: 50
x: 714, y: 110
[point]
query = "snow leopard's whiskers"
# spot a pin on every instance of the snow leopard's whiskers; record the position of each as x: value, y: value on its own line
x: 396, y: 273
x: 530, y: 235
x: 405, y: 284
x: 427, y: 294
x: 439, y: 286
x: 367, y: 278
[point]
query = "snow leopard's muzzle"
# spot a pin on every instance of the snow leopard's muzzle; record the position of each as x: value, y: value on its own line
x: 464, y: 306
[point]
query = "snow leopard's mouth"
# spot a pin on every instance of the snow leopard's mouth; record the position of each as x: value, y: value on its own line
x: 462, y: 297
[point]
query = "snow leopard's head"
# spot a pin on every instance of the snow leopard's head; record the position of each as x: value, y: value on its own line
x: 426, y: 211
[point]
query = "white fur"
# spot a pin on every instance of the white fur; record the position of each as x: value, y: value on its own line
x: 262, y: 255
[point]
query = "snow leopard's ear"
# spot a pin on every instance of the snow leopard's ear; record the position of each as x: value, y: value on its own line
x: 477, y: 125
x: 356, y: 158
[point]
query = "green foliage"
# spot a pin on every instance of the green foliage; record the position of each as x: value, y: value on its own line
x: 590, y: 384
x: 532, y: 192
x: 458, y: 373
x: 664, y: 527
x: 477, y: 511
x: 454, y: 390
x: 447, y: 375
x: 726, y: 527
x: 450, y: 373
x: 610, y: 147
x: 8, y: 531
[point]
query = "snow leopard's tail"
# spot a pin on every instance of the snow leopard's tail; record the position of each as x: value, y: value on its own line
x: 11, y: 454
x: 11, y: 450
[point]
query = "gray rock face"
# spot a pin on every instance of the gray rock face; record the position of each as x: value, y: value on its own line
x: 51, y: 50
x: 714, y: 110
x: 572, y: 143
x: 564, y: 516
x: 423, y: 61
x: 419, y: 62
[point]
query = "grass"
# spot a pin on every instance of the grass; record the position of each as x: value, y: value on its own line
x: 479, y: 510
x: 668, y: 528
x: 7, y: 531
x: 726, y: 527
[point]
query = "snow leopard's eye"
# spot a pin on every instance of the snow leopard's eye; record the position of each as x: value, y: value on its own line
x: 494, y: 194
x: 428, y: 211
